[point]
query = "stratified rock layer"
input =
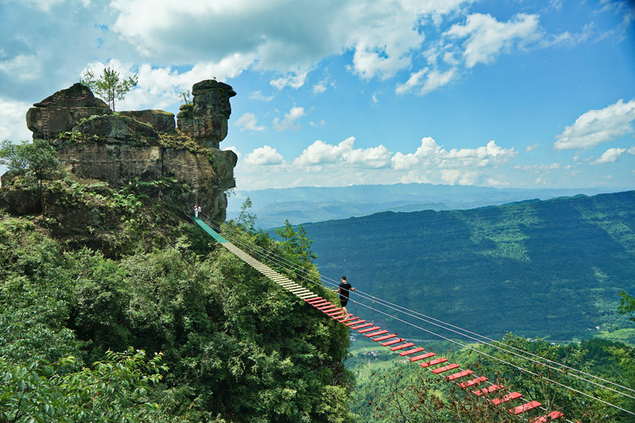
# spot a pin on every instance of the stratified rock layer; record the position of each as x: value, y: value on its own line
x: 118, y: 148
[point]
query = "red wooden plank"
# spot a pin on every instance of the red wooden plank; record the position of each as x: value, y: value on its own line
x: 402, y: 346
x: 422, y: 356
x: 379, y: 332
x: 446, y: 368
x: 507, y: 398
x: 314, y: 300
x: 433, y: 362
x: 473, y: 382
x: 383, y: 338
x: 548, y: 417
x: 412, y: 351
x: 365, y: 325
x: 525, y: 407
x: 320, y: 303
x: 368, y: 329
x: 335, y: 313
x: 458, y: 375
x: 349, y: 319
x: 328, y: 309
x: 392, y: 342
x: 355, y: 323
x: 487, y: 390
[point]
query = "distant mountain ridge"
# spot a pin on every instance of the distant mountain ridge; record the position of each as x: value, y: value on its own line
x: 315, y: 204
x: 538, y: 268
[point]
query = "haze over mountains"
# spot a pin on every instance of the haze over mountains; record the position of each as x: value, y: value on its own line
x: 315, y: 204
x: 538, y: 268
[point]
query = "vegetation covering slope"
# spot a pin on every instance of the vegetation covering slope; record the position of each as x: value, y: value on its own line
x: 114, y: 308
x: 541, y: 268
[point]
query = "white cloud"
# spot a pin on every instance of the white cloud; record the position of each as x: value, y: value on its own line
x: 249, y: 122
x: 597, y: 126
x: 290, y: 120
x: 485, y: 37
x: 257, y: 95
x: 609, y: 156
x: 159, y: 88
x: 320, y: 153
x: 319, y: 87
x: 430, y: 154
x: 412, y: 82
x: 13, y: 122
x: 263, y: 156
x: 531, y: 147
x: 291, y: 79
x: 427, y: 81
x: 382, y: 33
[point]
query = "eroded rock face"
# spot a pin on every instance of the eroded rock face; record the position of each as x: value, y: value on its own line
x: 205, y: 119
x: 63, y: 110
x: 158, y: 119
x: 95, y: 144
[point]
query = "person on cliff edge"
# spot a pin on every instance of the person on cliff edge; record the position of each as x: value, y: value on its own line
x: 197, y: 210
x: 344, y: 289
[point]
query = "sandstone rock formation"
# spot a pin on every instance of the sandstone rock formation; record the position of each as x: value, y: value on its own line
x: 96, y: 144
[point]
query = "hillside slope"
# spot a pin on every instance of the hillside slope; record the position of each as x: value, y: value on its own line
x: 543, y: 268
x: 316, y: 204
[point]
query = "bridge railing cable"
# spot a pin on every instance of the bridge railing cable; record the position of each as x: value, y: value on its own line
x: 443, y: 325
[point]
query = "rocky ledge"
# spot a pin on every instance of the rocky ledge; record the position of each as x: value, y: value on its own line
x: 96, y: 144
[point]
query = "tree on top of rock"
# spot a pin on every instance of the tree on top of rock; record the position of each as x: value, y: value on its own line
x: 109, y: 85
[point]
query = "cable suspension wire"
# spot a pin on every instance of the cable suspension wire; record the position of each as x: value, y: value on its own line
x: 495, y: 344
x: 509, y: 364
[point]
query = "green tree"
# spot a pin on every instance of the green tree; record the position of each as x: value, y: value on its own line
x: 37, y: 161
x: 296, y: 242
x: 627, y: 305
x: 247, y: 220
x: 118, y: 389
x: 109, y: 85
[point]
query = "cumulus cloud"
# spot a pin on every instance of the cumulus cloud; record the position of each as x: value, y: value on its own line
x: 485, y: 37
x: 320, y: 153
x: 382, y: 33
x: 430, y: 154
x: 290, y: 120
x: 248, y: 122
x: 609, y: 156
x: 598, y: 126
x: 263, y: 156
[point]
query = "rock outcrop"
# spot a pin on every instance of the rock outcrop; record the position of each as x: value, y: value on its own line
x: 118, y: 148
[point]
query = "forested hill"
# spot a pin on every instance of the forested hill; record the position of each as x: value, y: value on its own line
x: 541, y: 268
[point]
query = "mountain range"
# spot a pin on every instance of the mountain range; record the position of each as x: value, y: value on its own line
x: 315, y: 204
x: 550, y: 268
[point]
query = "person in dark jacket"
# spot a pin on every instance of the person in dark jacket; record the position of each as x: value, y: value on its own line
x: 344, y: 289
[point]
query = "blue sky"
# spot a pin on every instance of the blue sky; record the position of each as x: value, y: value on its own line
x: 506, y: 93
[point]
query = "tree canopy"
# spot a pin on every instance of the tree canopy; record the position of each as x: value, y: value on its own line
x: 109, y: 85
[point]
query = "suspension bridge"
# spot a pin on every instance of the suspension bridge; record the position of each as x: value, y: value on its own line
x: 464, y: 378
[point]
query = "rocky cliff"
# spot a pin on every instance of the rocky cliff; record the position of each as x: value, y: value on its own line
x: 96, y: 144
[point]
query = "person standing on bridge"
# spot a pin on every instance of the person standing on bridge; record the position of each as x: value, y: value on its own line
x: 344, y: 289
x: 197, y: 210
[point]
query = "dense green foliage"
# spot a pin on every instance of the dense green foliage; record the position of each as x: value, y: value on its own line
x: 544, y: 268
x: 391, y: 389
x: 233, y: 347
